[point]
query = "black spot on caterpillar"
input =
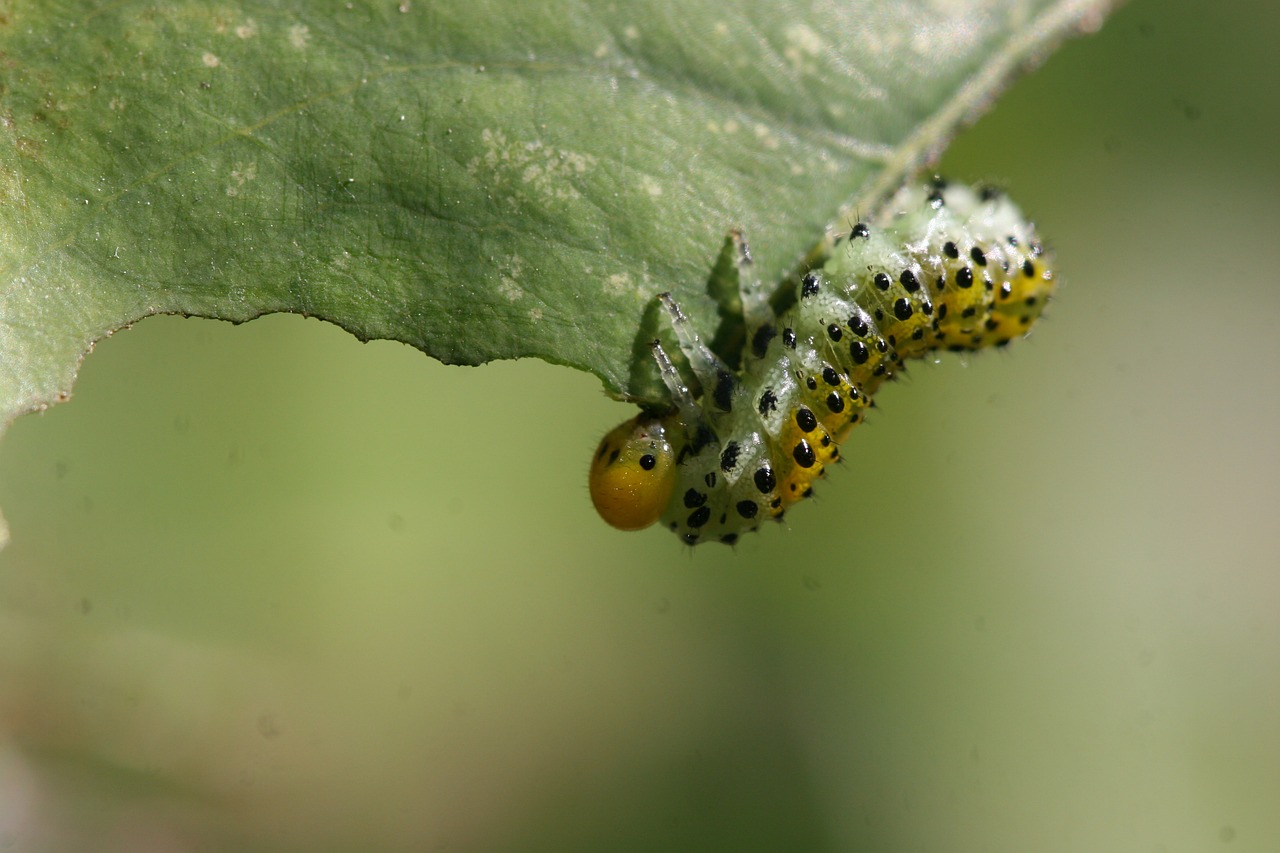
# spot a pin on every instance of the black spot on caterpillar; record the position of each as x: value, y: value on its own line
x: 942, y: 267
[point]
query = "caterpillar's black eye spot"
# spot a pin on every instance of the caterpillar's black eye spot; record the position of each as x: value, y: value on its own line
x: 764, y: 479
x: 882, y: 281
x: 830, y: 375
x: 789, y: 338
x: 803, y: 454
x: 927, y: 308
x: 699, y: 517
x: 860, y: 231
x: 1031, y: 301
x: 902, y: 309
x: 859, y: 326
x: 992, y: 325
x: 964, y: 277
x: 1006, y: 289
x: 808, y: 285
x: 761, y: 339
x: 859, y: 352
x: 979, y: 257
x: 918, y: 334
x: 909, y: 281
x: 768, y: 402
x: 1028, y: 268
x: 968, y: 312
x: 942, y: 311
x: 694, y: 498
x: 811, y: 383
x: 729, y: 456
x: 835, y: 402
x: 835, y: 332
x: 806, y: 420
x: 648, y: 461
x: 949, y: 249
x: 879, y: 314
x: 747, y: 509
x: 882, y: 345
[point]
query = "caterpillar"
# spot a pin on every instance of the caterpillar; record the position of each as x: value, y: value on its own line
x: 941, y: 266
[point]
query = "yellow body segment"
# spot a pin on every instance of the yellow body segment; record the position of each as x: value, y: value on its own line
x: 633, y: 474
x: 812, y: 450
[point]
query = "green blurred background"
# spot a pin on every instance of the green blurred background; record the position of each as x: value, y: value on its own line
x: 272, y: 589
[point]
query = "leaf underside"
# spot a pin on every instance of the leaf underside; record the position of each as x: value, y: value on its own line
x: 479, y: 180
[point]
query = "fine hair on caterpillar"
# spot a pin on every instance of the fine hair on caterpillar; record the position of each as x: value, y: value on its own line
x: 940, y: 266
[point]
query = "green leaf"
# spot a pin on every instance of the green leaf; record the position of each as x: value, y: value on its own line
x: 480, y: 180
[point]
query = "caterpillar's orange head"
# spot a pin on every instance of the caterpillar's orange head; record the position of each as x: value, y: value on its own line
x: 633, y: 474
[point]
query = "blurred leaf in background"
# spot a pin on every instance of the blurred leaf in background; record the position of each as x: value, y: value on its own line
x: 265, y: 594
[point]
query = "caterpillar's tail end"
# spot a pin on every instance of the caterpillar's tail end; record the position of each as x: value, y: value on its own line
x: 633, y: 474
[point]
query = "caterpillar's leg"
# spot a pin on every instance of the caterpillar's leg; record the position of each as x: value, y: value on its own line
x: 686, y: 405
x: 718, y: 382
x: 756, y: 311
